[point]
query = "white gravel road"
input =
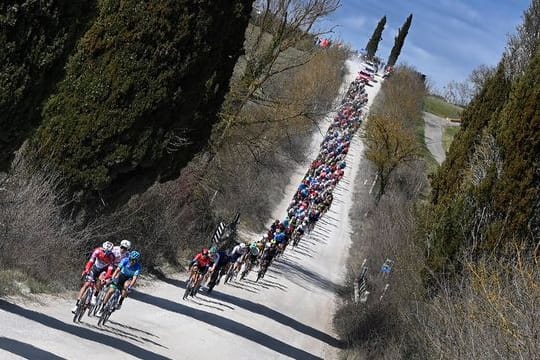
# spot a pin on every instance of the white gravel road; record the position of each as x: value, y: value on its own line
x: 286, y: 315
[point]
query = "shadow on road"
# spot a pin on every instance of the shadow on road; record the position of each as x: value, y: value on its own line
x: 26, y: 350
x: 229, y: 325
x: 278, y: 317
x: 83, y: 333
x: 264, y: 311
x: 301, y: 276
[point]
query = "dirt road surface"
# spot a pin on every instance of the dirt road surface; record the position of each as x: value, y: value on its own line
x: 286, y: 315
x: 434, y: 132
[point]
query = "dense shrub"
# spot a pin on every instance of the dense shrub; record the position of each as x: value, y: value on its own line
x: 36, y: 38
x: 140, y: 95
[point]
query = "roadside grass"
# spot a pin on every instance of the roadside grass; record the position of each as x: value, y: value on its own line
x: 13, y: 282
x: 441, y: 108
x: 448, y: 136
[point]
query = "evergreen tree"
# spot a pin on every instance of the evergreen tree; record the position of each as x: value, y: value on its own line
x: 373, y: 43
x: 36, y: 39
x: 140, y: 95
x: 399, y: 41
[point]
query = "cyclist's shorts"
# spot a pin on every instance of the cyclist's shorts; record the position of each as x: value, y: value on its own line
x: 95, y: 272
x: 120, y: 281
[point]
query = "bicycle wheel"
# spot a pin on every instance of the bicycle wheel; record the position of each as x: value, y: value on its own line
x: 104, y: 314
x: 189, y: 285
x: 261, y: 272
x: 81, y: 307
x: 230, y: 274
x: 78, y: 313
x: 99, y: 301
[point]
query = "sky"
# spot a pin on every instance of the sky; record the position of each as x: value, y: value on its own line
x: 447, y: 38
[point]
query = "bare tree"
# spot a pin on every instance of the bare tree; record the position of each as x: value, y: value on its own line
x: 273, y: 46
x: 523, y: 45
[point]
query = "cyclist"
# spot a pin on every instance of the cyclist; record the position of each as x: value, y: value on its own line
x: 102, y: 259
x: 237, y: 256
x: 220, y: 260
x: 125, y: 276
x: 267, y: 257
x: 202, y: 261
x: 120, y: 252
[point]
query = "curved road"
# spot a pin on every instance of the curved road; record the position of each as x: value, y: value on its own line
x: 286, y: 315
x: 434, y: 132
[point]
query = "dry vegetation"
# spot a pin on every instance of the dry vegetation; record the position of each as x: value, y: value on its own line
x: 379, y: 329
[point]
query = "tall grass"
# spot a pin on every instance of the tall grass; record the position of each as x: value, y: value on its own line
x: 441, y: 108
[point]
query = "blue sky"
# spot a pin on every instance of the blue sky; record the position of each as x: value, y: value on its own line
x: 447, y: 39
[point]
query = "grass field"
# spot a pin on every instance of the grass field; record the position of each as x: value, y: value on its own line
x: 448, y: 136
x: 441, y: 108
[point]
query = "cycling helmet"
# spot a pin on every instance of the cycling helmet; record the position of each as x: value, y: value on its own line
x: 205, y: 251
x: 107, y: 246
x: 242, y: 245
x: 126, y: 244
x: 265, y: 236
x: 213, y: 250
x: 254, y: 251
x: 135, y: 256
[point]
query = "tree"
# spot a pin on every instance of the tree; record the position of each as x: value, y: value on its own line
x: 373, y: 43
x: 462, y: 92
x: 389, y: 145
x: 523, y: 45
x: 281, y: 27
x: 399, y: 41
x: 140, y: 96
x: 36, y: 38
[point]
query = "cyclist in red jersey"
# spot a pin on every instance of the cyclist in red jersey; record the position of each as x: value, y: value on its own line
x: 202, y: 260
x: 102, y: 259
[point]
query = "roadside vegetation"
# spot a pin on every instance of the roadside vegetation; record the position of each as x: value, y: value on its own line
x: 439, y: 107
x: 378, y: 329
x: 465, y: 279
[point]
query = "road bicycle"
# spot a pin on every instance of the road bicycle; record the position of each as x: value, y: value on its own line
x: 99, y: 300
x: 109, y: 307
x: 193, y: 283
x: 246, y: 268
x: 86, y: 300
x: 262, y: 269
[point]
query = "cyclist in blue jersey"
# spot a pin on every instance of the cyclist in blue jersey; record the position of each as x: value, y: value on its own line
x: 125, y: 276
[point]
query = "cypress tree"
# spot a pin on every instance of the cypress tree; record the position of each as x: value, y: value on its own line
x: 36, y: 39
x: 376, y: 37
x: 399, y: 41
x: 140, y: 96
